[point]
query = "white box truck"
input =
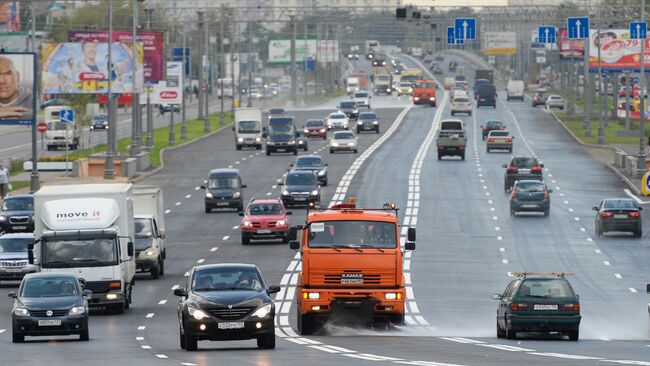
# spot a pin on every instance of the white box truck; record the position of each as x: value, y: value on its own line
x: 248, y: 128
x: 87, y: 229
x: 149, y: 221
x: 60, y: 134
x: 352, y: 85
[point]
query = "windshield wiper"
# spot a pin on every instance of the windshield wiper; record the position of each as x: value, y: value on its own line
x: 372, y: 247
x: 60, y: 264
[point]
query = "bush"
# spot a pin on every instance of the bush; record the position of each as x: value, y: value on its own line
x: 16, y: 166
x: 57, y: 158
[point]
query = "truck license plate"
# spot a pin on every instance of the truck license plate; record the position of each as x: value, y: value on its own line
x: 231, y: 325
x: 49, y: 323
x: 545, y: 307
x: 20, y: 227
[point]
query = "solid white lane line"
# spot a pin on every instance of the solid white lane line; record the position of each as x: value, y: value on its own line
x: 634, y: 197
x: 504, y: 347
x: 562, y: 355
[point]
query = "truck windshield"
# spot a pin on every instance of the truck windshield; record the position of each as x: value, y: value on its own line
x: 56, y: 126
x: 424, y: 85
x: 143, y: 228
x: 382, y: 77
x: 352, y: 234
x: 79, y: 252
x: 281, y: 126
x: 248, y: 127
x: 223, y: 182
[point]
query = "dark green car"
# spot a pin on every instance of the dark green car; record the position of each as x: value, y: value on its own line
x: 538, y: 302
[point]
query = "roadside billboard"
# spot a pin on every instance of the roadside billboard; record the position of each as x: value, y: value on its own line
x: 14, y: 42
x: 617, y: 50
x: 280, y: 50
x: 81, y: 68
x: 153, y: 43
x: 168, y: 91
x: 499, y: 43
x: 570, y: 49
x: 327, y: 51
x: 17, y: 102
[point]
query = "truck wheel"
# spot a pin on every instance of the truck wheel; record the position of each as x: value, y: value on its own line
x: 161, y: 267
x: 238, y: 147
x: 258, y: 147
x: 295, y: 151
x: 306, y: 324
x: 155, y: 272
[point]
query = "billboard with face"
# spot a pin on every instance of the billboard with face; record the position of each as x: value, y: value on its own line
x: 17, y: 86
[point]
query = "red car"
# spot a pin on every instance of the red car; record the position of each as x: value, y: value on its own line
x: 316, y: 128
x: 264, y: 219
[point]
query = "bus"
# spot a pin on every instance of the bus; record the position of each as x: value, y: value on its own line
x: 411, y: 76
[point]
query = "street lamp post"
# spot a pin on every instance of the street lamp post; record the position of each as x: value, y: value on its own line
x: 602, y: 96
x: 222, y: 68
x: 109, y: 163
x: 293, y: 60
x: 200, y: 44
x: 641, y: 163
x: 183, y: 117
x: 149, y: 144
x: 34, y: 183
x: 135, y: 98
x: 249, y: 64
x: 206, y: 76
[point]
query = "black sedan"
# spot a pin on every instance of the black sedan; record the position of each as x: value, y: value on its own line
x: 618, y: 214
x: 226, y: 302
x: 17, y: 214
x: 47, y: 304
x: 368, y: 121
x: 522, y: 168
x: 300, y: 188
x: 312, y: 163
x: 491, y: 126
x: 100, y: 122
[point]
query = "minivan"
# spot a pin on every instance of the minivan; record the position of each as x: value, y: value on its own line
x: 487, y: 96
x: 515, y: 90
x: 224, y: 189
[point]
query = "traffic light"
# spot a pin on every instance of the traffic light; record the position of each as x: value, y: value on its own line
x: 400, y: 13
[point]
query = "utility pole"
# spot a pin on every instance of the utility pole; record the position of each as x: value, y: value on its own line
x: 109, y: 163
x: 249, y: 64
x: 222, y: 115
x: 149, y: 107
x: 206, y: 76
x: 135, y: 98
x: 293, y: 60
x: 641, y: 163
x: 587, y: 88
x: 200, y: 43
x: 183, y: 77
x: 34, y: 182
x: 232, y: 67
x: 602, y: 85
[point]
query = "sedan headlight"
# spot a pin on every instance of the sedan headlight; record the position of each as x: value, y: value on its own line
x: 335, y: 144
x: 3, y: 218
x: 314, y: 192
x: 20, y: 311
x: 270, y: 143
x: 236, y: 195
x: 322, y: 130
x: 306, y: 130
x: 257, y: 139
x: 77, y: 310
x: 322, y: 173
x: 292, y: 142
x: 196, y: 313
x: 375, y: 122
x: 281, y: 223
x: 285, y: 193
x: 241, y: 139
x: 246, y: 223
x: 359, y: 122
x: 262, y: 312
x: 208, y: 195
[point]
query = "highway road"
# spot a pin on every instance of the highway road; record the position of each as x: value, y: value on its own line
x: 467, y: 244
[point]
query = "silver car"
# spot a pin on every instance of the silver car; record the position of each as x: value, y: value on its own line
x: 14, y: 262
x: 555, y: 101
x: 343, y: 141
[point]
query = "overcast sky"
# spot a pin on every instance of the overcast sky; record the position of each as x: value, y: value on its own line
x: 455, y: 2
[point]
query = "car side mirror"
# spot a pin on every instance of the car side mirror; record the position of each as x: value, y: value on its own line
x: 550, y: 191
x: 505, y: 165
x: 513, y: 137
x: 87, y: 293
x: 181, y: 292
x: 280, y: 184
x: 409, y: 245
x: 291, y: 164
x: 411, y: 234
x: 497, y: 297
x: 640, y: 208
x: 244, y: 186
x: 293, y: 233
x: 241, y: 213
x: 273, y: 289
x: 162, y: 235
x: 30, y: 254
x: 595, y: 208
x: 12, y: 295
x: 294, y: 245
x: 288, y: 213
x: 202, y: 187
x: 647, y: 288
x: 129, y: 249
x: 541, y: 165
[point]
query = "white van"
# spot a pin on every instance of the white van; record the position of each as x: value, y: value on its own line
x: 515, y: 89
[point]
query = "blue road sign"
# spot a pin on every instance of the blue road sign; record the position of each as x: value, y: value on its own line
x: 177, y: 55
x: 451, y: 36
x: 578, y: 27
x: 67, y: 115
x: 638, y: 30
x: 636, y: 80
x: 465, y: 28
x: 546, y: 34
x: 308, y: 64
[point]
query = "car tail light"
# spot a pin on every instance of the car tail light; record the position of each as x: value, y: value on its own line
x: 545, y: 193
x: 490, y: 139
x: 573, y: 307
x: 634, y: 214
x: 508, y: 139
x: 511, y: 169
x: 536, y: 169
x: 485, y: 127
x: 513, y: 195
x: 606, y: 214
x: 518, y: 306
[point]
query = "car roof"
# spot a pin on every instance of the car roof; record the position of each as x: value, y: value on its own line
x: 530, y: 181
x: 498, y: 131
x: 225, y: 266
x: 309, y: 157
x: 265, y: 201
x: 49, y: 275
x: 17, y: 236
x: 19, y: 196
x: 342, y: 132
x: 224, y: 171
x: 300, y: 172
x: 617, y: 199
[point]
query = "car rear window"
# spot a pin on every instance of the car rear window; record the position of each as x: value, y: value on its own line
x: 461, y: 100
x: 530, y: 187
x: 499, y: 133
x: 545, y: 288
x: 494, y: 123
x: 361, y: 95
x: 524, y: 162
x: 620, y: 204
x: 343, y: 136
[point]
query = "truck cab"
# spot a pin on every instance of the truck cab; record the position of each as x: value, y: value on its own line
x: 87, y: 229
x: 248, y: 128
x: 351, y: 266
x: 60, y: 134
x: 424, y: 92
x: 451, y: 138
x: 149, y: 222
x: 281, y: 135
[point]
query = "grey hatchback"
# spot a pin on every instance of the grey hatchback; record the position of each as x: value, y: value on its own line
x: 530, y: 196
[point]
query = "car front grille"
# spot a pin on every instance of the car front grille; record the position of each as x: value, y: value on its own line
x: 18, y: 219
x: 13, y: 263
x: 368, y: 279
x: 233, y: 313
x: 98, y: 286
x: 43, y: 313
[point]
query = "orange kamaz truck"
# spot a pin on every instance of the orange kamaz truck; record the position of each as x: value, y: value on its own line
x: 351, y: 266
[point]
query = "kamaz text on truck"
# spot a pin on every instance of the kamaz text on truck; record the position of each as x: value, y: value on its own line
x: 351, y: 266
x: 87, y: 229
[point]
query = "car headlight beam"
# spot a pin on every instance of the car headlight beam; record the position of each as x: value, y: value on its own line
x: 77, y: 310
x: 196, y: 313
x: 20, y: 311
x: 262, y: 312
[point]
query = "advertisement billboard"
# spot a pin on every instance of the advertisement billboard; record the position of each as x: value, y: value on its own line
x: 499, y: 43
x: 280, y: 50
x: 169, y: 91
x: 153, y: 43
x: 327, y: 51
x: 570, y: 49
x: 17, y: 104
x: 82, y: 68
x: 617, y: 51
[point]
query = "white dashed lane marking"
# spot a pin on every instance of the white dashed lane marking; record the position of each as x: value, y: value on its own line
x: 150, y: 315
